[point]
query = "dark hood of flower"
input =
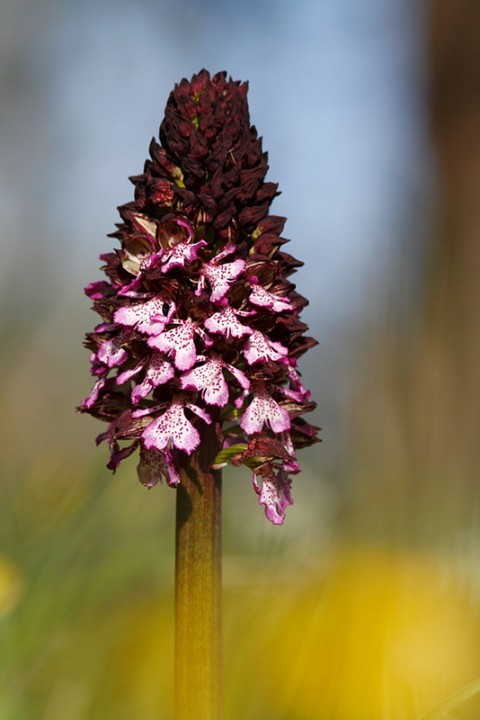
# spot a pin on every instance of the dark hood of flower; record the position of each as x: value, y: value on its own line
x: 199, y: 321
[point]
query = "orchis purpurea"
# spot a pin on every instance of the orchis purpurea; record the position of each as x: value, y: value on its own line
x: 199, y: 321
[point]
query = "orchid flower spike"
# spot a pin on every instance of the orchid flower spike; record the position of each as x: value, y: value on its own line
x: 200, y: 323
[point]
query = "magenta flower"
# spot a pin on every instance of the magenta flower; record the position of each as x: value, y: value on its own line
x: 200, y: 323
x: 172, y: 429
x: 264, y: 410
x: 274, y: 494
x: 259, y: 348
x: 146, y: 317
x: 180, y: 343
x: 220, y: 277
x: 227, y: 322
x: 209, y: 380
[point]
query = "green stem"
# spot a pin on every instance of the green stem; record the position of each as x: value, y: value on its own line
x: 198, y: 646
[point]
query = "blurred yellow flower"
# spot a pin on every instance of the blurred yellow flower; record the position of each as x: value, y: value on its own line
x: 379, y: 636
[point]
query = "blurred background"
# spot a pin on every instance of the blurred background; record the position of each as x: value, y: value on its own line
x: 365, y: 604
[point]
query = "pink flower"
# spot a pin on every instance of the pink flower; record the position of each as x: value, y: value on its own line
x: 226, y: 323
x: 259, y: 348
x: 179, y: 342
x: 173, y: 429
x: 159, y: 371
x: 220, y: 277
x: 275, y: 495
x: 263, y: 298
x: 264, y: 410
x: 111, y: 352
x: 180, y: 254
x: 208, y: 379
x: 149, y: 317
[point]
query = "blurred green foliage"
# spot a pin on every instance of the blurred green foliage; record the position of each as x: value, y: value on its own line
x: 321, y: 623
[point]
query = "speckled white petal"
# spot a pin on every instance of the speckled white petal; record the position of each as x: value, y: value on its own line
x: 226, y: 323
x: 178, y: 342
x: 171, y: 428
x: 263, y: 298
x: 259, y: 348
x: 147, y: 317
x: 221, y: 276
x: 209, y: 381
x: 274, y: 495
x: 159, y: 371
x: 180, y: 254
x: 264, y: 410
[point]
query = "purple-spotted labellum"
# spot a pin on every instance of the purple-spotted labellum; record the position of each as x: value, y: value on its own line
x: 199, y: 321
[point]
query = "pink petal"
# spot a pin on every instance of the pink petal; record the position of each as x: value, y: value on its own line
x: 180, y: 254
x: 132, y: 289
x: 179, y: 342
x: 264, y: 410
x: 105, y: 327
x: 171, y: 428
x: 263, y: 298
x: 142, y: 412
x: 227, y: 324
x: 238, y: 402
x: 98, y: 290
x: 227, y: 250
x: 208, y: 379
x: 299, y: 396
x: 259, y: 347
x: 239, y: 376
x: 128, y: 374
x: 92, y: 397
x: 221, y: 276
x: 154, y: 466
x: 159, y: 371
x: 198, y: 411
x: 110, y: 353
x: 147, y: 317
x: 294, y: 376
x: 173, y: 476
x: 275, y: 495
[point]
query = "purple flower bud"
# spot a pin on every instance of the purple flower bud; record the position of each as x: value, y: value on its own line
x: 199, y: 321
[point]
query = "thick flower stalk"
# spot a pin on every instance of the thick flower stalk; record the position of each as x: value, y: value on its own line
x: 199, y: 322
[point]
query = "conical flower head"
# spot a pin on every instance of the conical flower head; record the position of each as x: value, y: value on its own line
x: 199, y: 320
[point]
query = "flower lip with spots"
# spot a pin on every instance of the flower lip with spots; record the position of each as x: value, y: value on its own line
x: 264, y: 410
x: 172, y: 429
x: 146, y: 317
x: 220, y: 276
x: 209, y: 380
x: 179, y: 342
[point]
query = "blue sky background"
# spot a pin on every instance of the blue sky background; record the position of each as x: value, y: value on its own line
x: 336, y: 91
